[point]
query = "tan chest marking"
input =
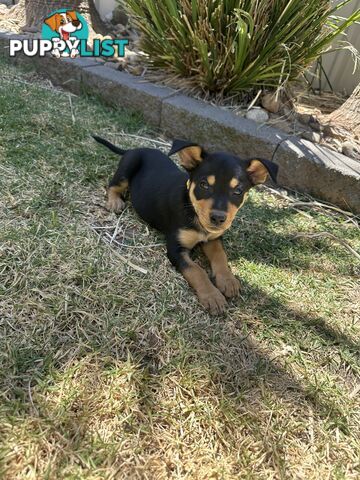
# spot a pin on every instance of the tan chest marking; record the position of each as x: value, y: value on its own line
x: 188, y: 238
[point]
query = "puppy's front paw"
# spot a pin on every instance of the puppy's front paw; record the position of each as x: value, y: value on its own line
x: 214, y: 301
x: 115, y: 204
x: 228, y: 284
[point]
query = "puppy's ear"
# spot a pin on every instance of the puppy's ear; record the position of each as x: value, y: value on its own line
x: 259, y: 170
x: 72, y: 14
x: 191, y: 154
x: 53, y: 22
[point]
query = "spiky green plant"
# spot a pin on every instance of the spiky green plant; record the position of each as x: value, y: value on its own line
x: 230, y: 46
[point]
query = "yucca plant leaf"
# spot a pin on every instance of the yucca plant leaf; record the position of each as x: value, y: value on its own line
x: 194, y: 10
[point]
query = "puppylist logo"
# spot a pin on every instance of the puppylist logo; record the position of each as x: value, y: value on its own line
x: 65, y: 34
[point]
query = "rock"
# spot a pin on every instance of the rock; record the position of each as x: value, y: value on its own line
x: 119, y: 16
x: 108, y: 17
x: 288, y: 112
x: 270, y: 102
x: 7, y: 3
x: 99, y: 60
x: 351, y: 149
x: 303, y: 117
x: 329, y: 130
x: 113, y: 65
x: 121, y: 30
x: 258, y: 115
x: 136, y: 70
x: 315, y: 124
x: 312, y: 136
x: 130, y: 58
x: 3, y: 9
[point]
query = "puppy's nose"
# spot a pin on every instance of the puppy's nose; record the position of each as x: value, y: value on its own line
x: 218, y: 217
x: 76, y: 23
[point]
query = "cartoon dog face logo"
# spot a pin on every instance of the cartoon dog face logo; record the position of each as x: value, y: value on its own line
x: 64, y: 24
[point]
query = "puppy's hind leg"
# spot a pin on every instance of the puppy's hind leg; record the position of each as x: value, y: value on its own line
x: 118, y: 185
x: 128, y: 167
x: 115, y: 202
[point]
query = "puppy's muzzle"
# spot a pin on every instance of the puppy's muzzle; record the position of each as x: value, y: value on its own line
x: 218, y: 217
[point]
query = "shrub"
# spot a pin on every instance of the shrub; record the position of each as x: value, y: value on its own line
x: 229, y: 46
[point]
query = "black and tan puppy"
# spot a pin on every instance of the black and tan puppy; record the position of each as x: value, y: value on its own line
x: 190, y: 207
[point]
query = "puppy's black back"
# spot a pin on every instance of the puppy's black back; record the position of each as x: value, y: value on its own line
x: 158, y: 191
x: 157, y: 186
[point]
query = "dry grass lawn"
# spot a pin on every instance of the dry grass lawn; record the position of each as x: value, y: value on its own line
x: 109, y: 367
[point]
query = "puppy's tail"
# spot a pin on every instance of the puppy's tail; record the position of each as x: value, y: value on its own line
x: 109, y: 145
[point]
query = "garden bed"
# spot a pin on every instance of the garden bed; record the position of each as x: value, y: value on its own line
x: 298, y: 110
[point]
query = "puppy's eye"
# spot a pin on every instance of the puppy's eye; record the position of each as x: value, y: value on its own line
x: 62, y: 21
x: 204, y: 184
x: 237, y: 191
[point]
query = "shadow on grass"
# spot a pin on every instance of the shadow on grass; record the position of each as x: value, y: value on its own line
x: 247, y: 373
x: 257, y: 237
x: 237, y: 361
x: 274, y: 313
x: 241, y: 371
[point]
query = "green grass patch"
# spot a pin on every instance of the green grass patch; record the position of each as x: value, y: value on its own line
x: 107, y: 372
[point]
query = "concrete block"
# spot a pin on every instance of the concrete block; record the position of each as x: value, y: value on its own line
x: 218, y: 129
x: 320, y: 172
x: 120, y: 89
x: 304, y: 166
x: 65, y: 72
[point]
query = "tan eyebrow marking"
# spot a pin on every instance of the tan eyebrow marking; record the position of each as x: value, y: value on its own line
x: 211, y: 180
x: 234, y: 182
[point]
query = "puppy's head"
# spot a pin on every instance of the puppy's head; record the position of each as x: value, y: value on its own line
x: 219, y: 182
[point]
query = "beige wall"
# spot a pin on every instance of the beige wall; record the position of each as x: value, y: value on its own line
x: 339, y: 66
